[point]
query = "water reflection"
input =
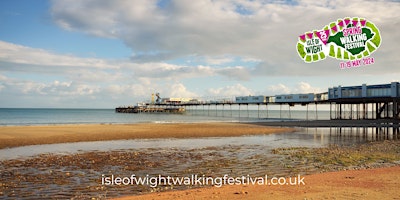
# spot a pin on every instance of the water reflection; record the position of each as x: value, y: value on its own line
x: 352, y: 135
x: 364, y: 134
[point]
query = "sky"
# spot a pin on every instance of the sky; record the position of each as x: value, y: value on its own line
x: 104, y: 54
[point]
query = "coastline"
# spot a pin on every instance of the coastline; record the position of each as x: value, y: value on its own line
x: 14, y: 136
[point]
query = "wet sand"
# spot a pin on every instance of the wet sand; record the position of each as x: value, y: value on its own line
x: 13, y: 136
x: 371, y: 184
x: 372, y: 171
x: 79, y: 176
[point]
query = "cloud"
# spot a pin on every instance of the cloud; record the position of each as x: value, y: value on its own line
x: 230, y: 91
x: 236, y: 73
x: 144, y: 90
x: 57, y: 77
x: 32, y: 56
x: 279, y: 89
x: 304, y: 87
x: 301, y: 87
x: 56, y: 88
x: 17, y: 58
x: 170, y: 71
x: 218, y: 60
x: 183, y: 48
x: 180, y: 90
x: 141, y: 87
x: 262, y: 30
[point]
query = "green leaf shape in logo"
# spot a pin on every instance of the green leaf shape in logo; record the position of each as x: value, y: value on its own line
x: 338, y: 39
x: 377, y: 38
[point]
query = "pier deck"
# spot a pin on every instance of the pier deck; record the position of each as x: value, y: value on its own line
x: 353, y: 102
x: 153, y: 109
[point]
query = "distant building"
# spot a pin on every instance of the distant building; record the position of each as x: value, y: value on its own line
x: 365, y: 91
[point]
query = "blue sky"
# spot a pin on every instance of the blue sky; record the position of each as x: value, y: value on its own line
x: 30, y: 24
x: 102, y: 54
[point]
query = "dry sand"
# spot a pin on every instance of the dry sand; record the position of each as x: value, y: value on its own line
x: 12, y: 136
x: 371, y: 184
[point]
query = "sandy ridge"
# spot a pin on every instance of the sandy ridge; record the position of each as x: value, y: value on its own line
x: 12, y: 136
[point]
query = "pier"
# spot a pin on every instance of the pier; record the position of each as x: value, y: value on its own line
x: 149, y: 109
x: 365, y: 102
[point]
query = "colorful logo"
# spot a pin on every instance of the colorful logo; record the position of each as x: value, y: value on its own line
x: 351, y: 40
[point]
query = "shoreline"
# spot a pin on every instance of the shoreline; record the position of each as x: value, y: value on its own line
x: 272, y: 122
x: 22, y: 135
x: 14, y: 136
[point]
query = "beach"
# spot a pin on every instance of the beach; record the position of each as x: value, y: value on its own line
x: 373, y: 173
x: 371, y: 184
x: 172, y: 99
x: 13, y: 136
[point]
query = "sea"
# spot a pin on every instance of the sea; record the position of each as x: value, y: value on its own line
x: 55, y: 116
